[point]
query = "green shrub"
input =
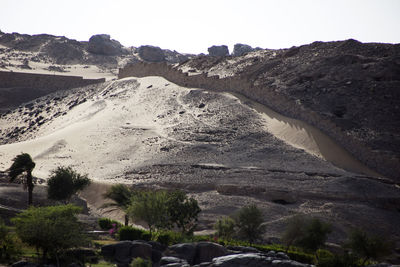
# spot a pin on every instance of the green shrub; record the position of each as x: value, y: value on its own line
x: 249, y: 221
x: 10, y: 245
x: 64, y: 182
x: 51, y: 229
x: 146, y: 236
x: 327, y: 259
x: 130, y: 233
x: 165, y: 238
x: 139, y: 262
x: 225, y: 228
x: 107, y: 224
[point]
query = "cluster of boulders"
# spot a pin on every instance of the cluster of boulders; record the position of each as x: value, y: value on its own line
x: 205, y: 254
x: 238, y: 50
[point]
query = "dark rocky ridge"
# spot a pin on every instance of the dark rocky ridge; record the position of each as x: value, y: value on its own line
x: 354, y: 85
x: 99, y: 50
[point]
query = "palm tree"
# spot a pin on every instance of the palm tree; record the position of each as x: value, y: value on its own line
x: 23, y: 163
x: 121, y: 195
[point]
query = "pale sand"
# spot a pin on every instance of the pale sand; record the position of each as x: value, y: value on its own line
x: 106, y: 136
x: 304, y: 136
x: 85, y: 71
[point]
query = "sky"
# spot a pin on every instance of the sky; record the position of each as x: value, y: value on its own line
x: 191, y: 26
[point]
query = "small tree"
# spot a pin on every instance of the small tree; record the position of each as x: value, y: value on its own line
x: 65, y: 182
x: 294, y: 231
x: 23, y: 163
x: 121, y: 195
x: 150, y: 206
x: 314, y: 235
x: 368, y: 247
x: 182, y: 211
x: 225, y: 228
x: 249, y: 222
x: 50, y: 229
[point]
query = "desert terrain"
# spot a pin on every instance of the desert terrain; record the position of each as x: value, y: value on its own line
x: 225, y: 149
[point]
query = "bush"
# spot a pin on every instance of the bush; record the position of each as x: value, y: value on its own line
x: 107, y: 224
x: 130, y: 233
x: 146, y: 236
x: 314, y: 235
x: 249, y: 222
x: 51, y: 229
x: 139, y: 262
x: 182, y: 211
x: 10, y: 246
x: 368, y: 247
x: 225, y: 228
x: 65, y: 182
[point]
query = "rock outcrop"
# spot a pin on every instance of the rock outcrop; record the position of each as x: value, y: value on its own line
x: 103, y: 45
x: 193, y: 254
x: 151, y: 53
x: 218, y: 51
x: 241, y: 49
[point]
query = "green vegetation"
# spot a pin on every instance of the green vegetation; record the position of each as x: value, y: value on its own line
x: 131, y: 233
x: 225, y: 228
x: 139, y: 262
x: 314, y: 235
x: 121, y: 195
x: 150, y: 207
x: 182, y: 211
x: 249, y: 221
x: 368, y: 247
x: 23, y: 163
x: 107, y: 224
x: 50, y: 229
x: 10, y: 246
x: 163, y: 210
x: 65, y: 182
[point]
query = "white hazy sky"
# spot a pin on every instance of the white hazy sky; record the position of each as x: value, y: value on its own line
x: 192, y: 26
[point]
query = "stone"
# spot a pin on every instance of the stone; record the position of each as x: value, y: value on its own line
x: 218, y: 51
x: 24, y: 264
x: 123, y: 252
x: 102, y: 44
x: 206, y: 251
x: 288, y: 263
x: 140, y: 250
x: 241, y: 49
x: 170, y: 260
x: 240, y: 260
x: 151, y: 53
x: 185, y: 251
x: 243, y: 249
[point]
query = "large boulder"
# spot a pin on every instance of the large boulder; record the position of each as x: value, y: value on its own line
x: 241, y: 49
x: 218, y: 50
x: 102, y: 44
x: 206, y: 251
x: 239, y: 260
x: 186, y: 251
x: 151, y: 53
x: 123, y: 252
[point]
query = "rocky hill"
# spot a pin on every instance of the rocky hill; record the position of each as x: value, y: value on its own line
x: 352, y: 85
x: 100, y: 50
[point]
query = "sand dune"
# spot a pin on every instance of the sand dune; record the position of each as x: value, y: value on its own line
x: 112, y: 132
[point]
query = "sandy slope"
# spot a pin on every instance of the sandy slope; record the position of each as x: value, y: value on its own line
x: 104, y: 136
x: 226, y: 151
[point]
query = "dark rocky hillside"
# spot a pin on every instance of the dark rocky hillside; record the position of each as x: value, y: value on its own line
x: 354, y: 85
